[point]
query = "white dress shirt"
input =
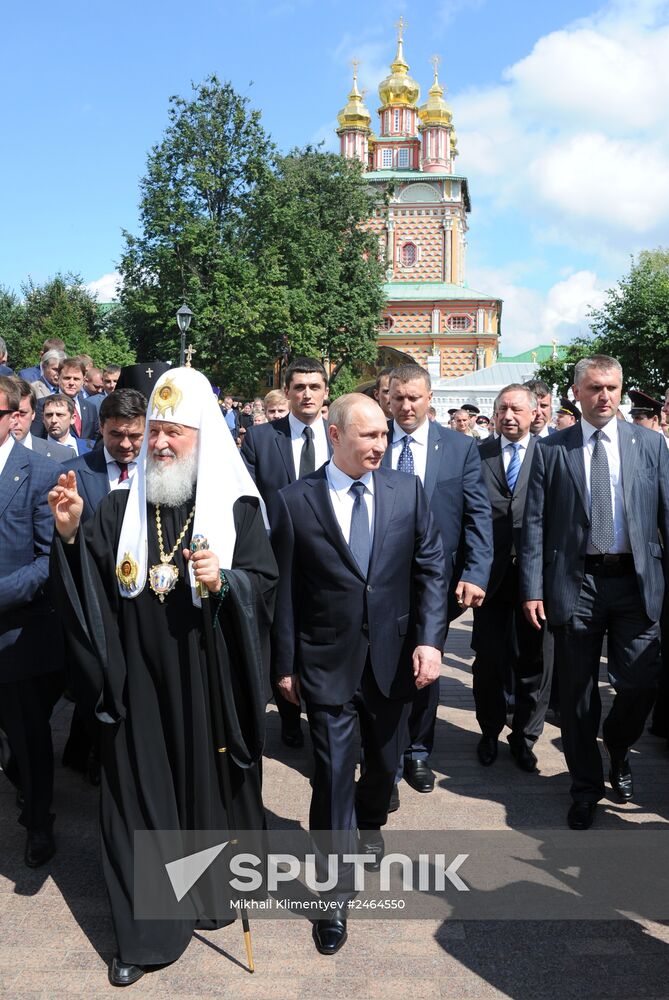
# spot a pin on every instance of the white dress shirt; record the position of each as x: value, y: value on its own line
x: 7, y: 447
x: 508, y: 447
x: 114, y: 471
x: 544, y: 432
x: 342, y: 501
x: 418, y: 447
x: 28, y: 441
x: 609, y: 438
x: 320, y: 441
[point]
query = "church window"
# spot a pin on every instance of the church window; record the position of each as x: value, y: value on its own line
x: 409, y: 255
x: 396, y: 121
x: 459, y: 322
x: 403, y: 157
x: 387, y: 158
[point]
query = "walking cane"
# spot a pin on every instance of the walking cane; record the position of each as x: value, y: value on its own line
x: 199, y: 543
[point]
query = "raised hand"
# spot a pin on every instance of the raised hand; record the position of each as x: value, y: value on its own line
x: 66, y: 506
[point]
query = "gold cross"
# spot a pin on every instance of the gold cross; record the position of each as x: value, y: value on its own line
x: 149, y: 372
x: 401, y: 25
x: 189, y: 355
x: 435, y: 60
x: 355, y: 63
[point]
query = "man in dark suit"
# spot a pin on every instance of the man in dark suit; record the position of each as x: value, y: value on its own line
x: 85, y: 422
x: 502, y: 636
x: 448, y: 465
x: 541, y: 425
x: 30, y: 678
x: 111, y: 467
x: 281, y: 451
x: 23, y: 420
x: 593, y: 564
x: 360, y: 622
x: 35, y: 372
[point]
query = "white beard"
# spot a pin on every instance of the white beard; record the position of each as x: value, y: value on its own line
x: 171, y: 484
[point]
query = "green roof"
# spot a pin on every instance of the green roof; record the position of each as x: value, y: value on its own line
x: 409, y: 175
x: 107, y: 307
x: 421, y: 291
x: 544, y: 352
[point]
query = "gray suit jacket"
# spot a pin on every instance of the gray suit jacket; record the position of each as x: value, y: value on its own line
x: 557, y: 519
x: 57, y: 452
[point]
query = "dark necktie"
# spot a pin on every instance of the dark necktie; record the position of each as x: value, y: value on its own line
x: 601, y: 511
x: 514, y: 466
x: 308, y: 456
x: 124, y: 472
x: 359, y: 537
x: 405, y: 461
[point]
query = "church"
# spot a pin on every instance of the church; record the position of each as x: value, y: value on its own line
x: 422, y: 204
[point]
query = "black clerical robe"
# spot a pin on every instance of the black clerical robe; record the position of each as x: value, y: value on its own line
x: 142, y: 670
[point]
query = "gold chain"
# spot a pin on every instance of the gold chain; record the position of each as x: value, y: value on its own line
x: 159, y: 528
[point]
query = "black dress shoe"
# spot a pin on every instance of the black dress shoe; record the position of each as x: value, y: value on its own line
x: 292, y: 738
x: 40, y: 847
x: 620, y: 776
x: 330, y: 934
x: 486, y: 750
x: 581, y: 815
x: 419, y: 775
x: 121, y: 974
x: 370, y: 842
x: 394, y: 803
x: 524, y: 757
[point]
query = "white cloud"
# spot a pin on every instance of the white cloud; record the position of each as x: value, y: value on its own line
x: 106, y: 287
x: 531, y: 317
x: 577, y: 132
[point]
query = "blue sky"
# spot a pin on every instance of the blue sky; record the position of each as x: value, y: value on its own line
x: 561, y: 112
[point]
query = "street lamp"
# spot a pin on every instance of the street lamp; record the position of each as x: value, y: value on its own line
x: 184, y: 316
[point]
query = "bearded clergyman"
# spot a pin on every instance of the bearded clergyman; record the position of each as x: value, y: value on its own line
x: 129, y: 590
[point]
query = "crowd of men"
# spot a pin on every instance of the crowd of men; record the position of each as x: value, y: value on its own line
x: 359, y: 529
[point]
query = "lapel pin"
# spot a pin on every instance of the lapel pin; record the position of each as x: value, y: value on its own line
x: 633, y: 440
x: 16, y: 479
x: 436, y: 447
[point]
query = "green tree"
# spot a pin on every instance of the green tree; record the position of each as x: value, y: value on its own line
x: 63, y: 307
x: 633, y: 323
x: 267, y: 251
x: 11, y: 321
x: 318, y: 266
x: 194, y: 200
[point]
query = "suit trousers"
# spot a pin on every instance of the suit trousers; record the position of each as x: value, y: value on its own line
x: 25, y: 713
x: 611, y: 606
x: 336, y: 802
x: 502, y: 636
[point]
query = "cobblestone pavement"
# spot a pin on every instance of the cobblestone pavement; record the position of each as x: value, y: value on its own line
x: 56, y: 938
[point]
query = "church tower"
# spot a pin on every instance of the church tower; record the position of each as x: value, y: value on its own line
x: 421, y: 222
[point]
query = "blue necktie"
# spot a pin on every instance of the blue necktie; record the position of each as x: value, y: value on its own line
x: 358, y: 540
x: 514, y: 466
x: 405, y: 461
x: 601, y: 511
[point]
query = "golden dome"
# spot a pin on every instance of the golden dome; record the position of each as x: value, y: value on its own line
x: 435, y: 111
x: 399, y: 87
x: 355, y: 114
x: 454, y: 145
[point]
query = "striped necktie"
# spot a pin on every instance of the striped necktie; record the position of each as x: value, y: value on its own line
x: 514, y: 466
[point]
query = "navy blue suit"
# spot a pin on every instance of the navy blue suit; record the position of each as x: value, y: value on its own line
x: 350, y: 637
x: 460, y: 506
x: 31, y: 645
x: 31, y: 374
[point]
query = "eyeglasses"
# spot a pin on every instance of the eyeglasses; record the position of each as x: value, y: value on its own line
x: 5, y: 413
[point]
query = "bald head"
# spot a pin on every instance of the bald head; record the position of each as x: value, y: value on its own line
x: 358, y: 431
